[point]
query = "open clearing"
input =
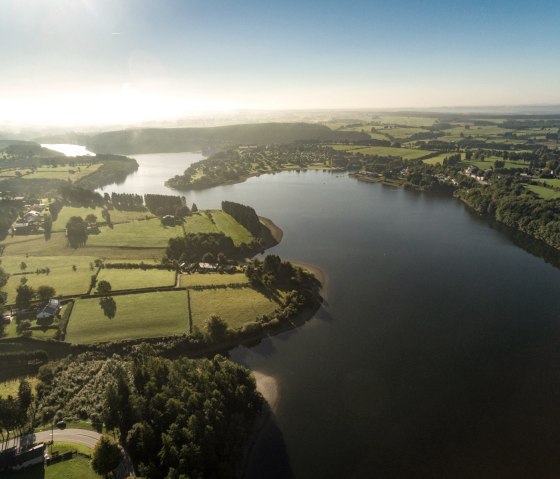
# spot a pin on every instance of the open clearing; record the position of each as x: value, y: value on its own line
x: 543, y: 192
x: 136, y: 234
x: 404, y: 153
x: 117, y: 216
x: 198, y: 279
x: 62, y: 277
x: 138, y: 316
x: 76, y: 468
x: 10, y: 388
x: 136, y: 278
x: 72, y: 173
x: 236, y: 306
x: 216, y: 221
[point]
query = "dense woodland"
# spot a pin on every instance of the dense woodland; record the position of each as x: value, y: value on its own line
x: 178, y: 418
x: 168, y: 140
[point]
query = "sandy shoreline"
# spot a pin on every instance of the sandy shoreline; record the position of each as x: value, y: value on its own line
x: 268, y: 387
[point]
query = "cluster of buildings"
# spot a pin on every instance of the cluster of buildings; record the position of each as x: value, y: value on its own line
x: 30, y: 221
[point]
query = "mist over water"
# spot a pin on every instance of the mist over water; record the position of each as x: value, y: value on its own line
x: 436, y: 354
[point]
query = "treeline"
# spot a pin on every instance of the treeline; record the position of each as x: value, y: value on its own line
x: 194, y: 246
x: 161, y: 205
x: 244, y: 215
x: 126, y: 201
x: 9, y: 210
x: 507, y: 200
x: 169, y: 140
x: 182, y: 418
x: 78, y: 196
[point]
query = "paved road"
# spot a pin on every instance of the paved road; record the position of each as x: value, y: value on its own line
x: 77, y: 436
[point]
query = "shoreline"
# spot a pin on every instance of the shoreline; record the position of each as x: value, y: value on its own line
x: 276, y: 232
x: 316, y: 271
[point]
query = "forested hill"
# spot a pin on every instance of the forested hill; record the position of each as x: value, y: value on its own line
x: 169, y: 140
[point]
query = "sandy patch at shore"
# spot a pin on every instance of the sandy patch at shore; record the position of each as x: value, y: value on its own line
x: 268, y: 387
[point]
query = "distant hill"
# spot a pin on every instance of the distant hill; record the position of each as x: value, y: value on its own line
x: 26, y: 148
x: 171, y: 140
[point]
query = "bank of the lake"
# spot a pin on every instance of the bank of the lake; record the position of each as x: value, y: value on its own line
x: 438, y: 353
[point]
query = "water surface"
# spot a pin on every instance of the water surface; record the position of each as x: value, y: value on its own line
x: 438, y: 353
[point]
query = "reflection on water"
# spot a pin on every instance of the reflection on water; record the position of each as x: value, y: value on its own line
x: 440, y: 357
x: 69, y: 150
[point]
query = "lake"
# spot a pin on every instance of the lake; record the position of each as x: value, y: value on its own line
x: 437, y: 353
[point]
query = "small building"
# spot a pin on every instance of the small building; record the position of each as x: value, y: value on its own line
x: 50, y: 310
x: 10, y: 459
x: 206, y: 267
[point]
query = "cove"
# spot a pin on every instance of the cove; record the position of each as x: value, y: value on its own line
x: 436, y: 354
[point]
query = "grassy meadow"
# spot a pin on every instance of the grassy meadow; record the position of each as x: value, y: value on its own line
x: 137, y: 316
x: 62, y: 277
x: 235, y: 306
x: 216, y: 221
x: 544, y: 192
x: 10, y: 387
x: 197, y: 279
x: 136, y: 278
x: 76, y: 468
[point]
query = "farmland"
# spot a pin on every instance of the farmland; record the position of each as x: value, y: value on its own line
x: 235, y: 306
x: 136, y: 278
x: 137, y: 316
x: 188, y: 280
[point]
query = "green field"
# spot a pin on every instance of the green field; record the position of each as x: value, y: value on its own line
x: 138, y: 316
x: 439, y: 159
x: 216, y: 221
x: 554, y: 182
x: 61, y: 277
x: 198, y: 279
x: 136, y: 234
x: 63, y: 172
x: 76, y: 468
x: 543, y: 192
x: 136, y: 278
x: 10, y: 388
x: 58, y: 245
x: 488, y: 163
x: 235, y: 306
x: 117, y: 216
x: 405, y: 153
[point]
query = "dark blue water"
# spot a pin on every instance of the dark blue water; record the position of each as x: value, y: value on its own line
x: 437, y: 354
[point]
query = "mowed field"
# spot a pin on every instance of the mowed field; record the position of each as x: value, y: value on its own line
x: 197, y: 279
x: 10, y: 388
x: 76, y: 468
x: 117, y: 216
x: 72, y: 173
x: 138, y: 316
x: 544, y: 192
x: 136, y: 234
x: 404, y: 153
x: 236, y: 306
x: 62, y: 277
x: 136, y: 278
x: 216, y: 221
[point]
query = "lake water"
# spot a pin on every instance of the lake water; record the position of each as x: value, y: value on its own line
x: 437, y: 354
x: 69, y: 150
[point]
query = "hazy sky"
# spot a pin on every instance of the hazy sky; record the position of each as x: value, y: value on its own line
x: 126, y: 60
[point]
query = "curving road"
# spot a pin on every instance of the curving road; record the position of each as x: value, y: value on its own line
x: 78, y: 436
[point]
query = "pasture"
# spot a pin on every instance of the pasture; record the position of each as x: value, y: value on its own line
x: 61, y: 277
x: 136, y: 278
x: 236, y: 306
x: 544, y: 192
x: 197, y: 279
x: 143, y: 315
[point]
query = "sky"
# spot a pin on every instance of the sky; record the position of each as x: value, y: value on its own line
x: 119, y: 61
